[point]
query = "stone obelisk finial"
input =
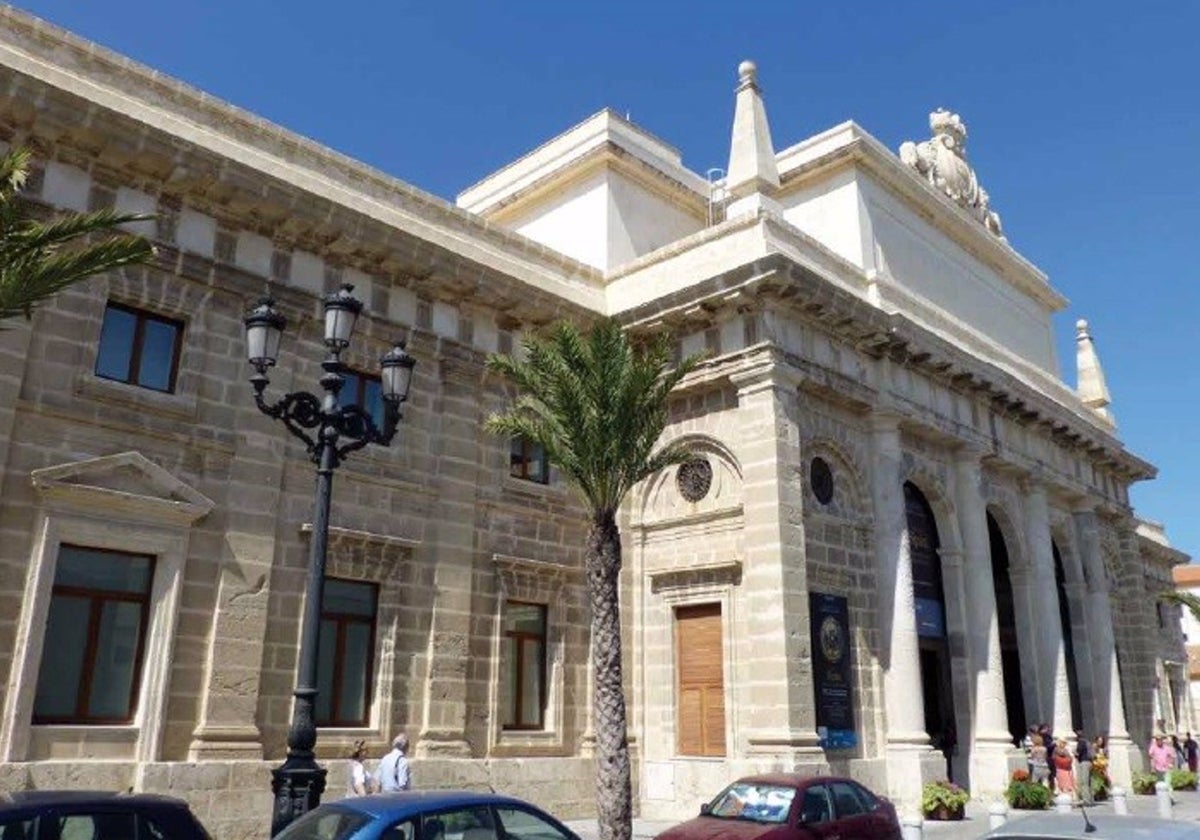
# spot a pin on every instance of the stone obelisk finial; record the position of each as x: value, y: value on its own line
x: 752, y: 168
x: 1090, y: 385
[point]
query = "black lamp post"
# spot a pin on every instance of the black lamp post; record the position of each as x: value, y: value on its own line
x: 330, y: 431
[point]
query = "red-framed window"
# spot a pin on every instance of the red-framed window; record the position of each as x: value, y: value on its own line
x: 525, y: 665
x: 528, y: 461
x: 346, y: 652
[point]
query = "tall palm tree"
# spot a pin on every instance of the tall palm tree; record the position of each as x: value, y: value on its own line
x: 597, y: 404
x: 39, y: 259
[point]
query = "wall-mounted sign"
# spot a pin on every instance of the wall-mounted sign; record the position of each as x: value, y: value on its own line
x: 833, y: 688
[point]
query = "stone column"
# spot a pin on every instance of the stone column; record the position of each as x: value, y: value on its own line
x: 1054, y: 705
x: 1108, y: 706
x: 910, y: 760
x: 780, y: 720
x: 456, y: 442
x: 991, y: 740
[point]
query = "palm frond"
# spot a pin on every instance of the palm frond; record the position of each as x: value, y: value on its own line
x: 39, y: 259
x: 1188, y: 600
x: 597, y: 404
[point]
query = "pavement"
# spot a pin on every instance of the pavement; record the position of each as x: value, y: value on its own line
x: 1186, y: 808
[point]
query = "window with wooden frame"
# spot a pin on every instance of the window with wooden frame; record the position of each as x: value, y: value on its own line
x: 528, y: 461
x: 95, y: 633
x: 346, y: 652
x: 365, y: 391
x: 700, y: 682
x: 524, y: 665
x: 139, y: 347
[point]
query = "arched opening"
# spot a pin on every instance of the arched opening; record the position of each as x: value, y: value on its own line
x: 1006, y: 618
x: 930, y: 604
x: 1064, y: 617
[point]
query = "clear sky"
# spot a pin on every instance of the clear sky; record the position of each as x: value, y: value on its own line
x: 1084, y: 122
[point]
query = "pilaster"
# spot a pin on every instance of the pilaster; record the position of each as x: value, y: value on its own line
x: 1054, y: 706
x: 458, y: 409
x: 780, y: 719
x: 991, y: 740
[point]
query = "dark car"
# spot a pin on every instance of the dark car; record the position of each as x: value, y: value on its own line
x: 789, y: 807
x: 92, y: 815
x: 427, y: 815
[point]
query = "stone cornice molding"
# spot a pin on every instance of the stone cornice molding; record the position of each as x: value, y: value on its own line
x: 144, y: 491
x: 765, y: 370
x: 776, y: 280
x: 351, y: 535
x: 728, y: 573
x: 236, y: 138
x: 549, y: 574
x: 705, y: 522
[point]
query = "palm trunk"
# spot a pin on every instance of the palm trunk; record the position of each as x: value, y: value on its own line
x: 614, y: 795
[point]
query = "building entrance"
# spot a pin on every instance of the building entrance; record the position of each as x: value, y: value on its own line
x: 930, y: 604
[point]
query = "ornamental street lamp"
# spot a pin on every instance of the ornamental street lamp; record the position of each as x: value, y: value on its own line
x: 330, y: 431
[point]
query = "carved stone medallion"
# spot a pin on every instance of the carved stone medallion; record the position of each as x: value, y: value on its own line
x: 694, y: 479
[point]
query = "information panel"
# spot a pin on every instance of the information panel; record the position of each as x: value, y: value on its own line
x: 829, y: 617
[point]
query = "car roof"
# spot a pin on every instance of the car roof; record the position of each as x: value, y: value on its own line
x: 409, y: 802
x: 23, y: 799
x: 792, y: 779
x: 1108, y: 827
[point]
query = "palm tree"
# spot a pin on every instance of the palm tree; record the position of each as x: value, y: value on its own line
x: 1182, y: 598
x: 39, y: 259
x: 597, y: 404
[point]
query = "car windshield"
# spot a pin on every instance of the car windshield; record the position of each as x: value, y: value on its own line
x: 754, y: 801
x: 326, y: 823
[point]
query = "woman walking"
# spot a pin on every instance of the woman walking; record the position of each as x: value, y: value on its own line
x: 1037, y: 761
x: 1064, y: 779
x: 358, y: 783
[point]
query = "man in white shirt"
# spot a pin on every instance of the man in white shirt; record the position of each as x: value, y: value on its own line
x: 393, y: 774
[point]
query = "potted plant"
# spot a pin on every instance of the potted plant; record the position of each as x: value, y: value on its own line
x: 1182, y: 780
x: 1101, y: 784
x: 1024, y: 794
x: 943, y: 800
x: 1143, y: 783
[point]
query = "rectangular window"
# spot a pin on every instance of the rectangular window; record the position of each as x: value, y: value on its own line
x: 528, y: 461
x: 346, y: 652
x: 524, y: 665
x: 95, y: 632
x: 139, y: 347
x: 364, y: 391
x: 699, y: 671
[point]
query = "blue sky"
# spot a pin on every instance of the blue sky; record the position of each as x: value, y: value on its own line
x: 1084, y: 123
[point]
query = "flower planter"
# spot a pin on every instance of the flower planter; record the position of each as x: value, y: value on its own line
x: 945, y: 812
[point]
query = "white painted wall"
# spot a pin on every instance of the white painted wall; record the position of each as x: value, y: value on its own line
x: 927, y: 263
x: 574, y: 221
x: 829, y: 211
x: 641, y: 222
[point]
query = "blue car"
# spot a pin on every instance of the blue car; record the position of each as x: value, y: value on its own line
x: 428, y: 815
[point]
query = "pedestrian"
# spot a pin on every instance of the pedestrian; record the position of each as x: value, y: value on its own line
x: 1192, y: 750
x: 393, y: 772
x: 1064, y: 781
x: 1180, y: 755
x: 1027, y: 746
x: 358, y: 782
x: 1037, y: 760
x: 1084, y: 753
x: 1162, y: 757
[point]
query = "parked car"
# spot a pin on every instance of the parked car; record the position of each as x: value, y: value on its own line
x: 1094, y: 827
x: 789, y: 807
x: 427, y: 815
x: 96, y: 815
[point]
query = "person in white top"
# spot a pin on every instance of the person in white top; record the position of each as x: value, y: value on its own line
x: 393, y: 773
x: 358, y: 783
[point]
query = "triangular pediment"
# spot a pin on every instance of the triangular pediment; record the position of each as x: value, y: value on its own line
x: 127, y: 484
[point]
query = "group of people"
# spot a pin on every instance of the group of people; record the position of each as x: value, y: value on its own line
x: 1052, y: 763
x: 1177, y: 755
x: 392, y: 774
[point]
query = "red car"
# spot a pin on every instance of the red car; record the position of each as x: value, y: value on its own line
x: 782, y: 806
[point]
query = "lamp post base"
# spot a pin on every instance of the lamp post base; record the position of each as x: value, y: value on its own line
x: 297, y: 784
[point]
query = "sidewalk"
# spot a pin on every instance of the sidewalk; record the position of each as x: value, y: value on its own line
x: 1187, y: 808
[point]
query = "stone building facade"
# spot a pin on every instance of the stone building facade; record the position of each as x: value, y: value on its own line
x: 881, y: 429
